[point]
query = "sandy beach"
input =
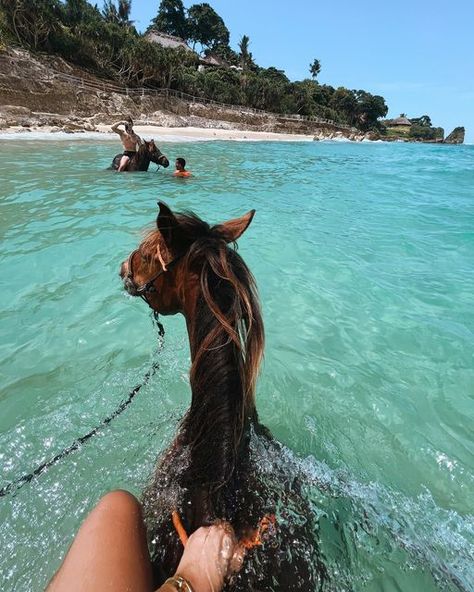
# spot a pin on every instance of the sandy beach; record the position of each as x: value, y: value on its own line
x: 196, y: 133
x: 159, y: 133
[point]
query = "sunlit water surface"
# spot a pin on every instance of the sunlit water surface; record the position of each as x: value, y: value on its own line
x: 364, y: 258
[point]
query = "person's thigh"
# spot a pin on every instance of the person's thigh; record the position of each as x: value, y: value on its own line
x: 124, y: 162
x: 109, y: 552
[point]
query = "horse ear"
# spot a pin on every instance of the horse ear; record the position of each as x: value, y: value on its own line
x: 166, y: 223
x: 233, y: 229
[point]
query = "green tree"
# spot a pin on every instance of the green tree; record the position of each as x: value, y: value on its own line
x: 422, y: 132
x: 124, y: 9
x: 221, y: 84
x: 225, y: 52
x: 315, y: 69
x: 304, y: 94
x: 32, y: 22
x: 110, y: 12
x: 170, y: 19
x: 206, y: 27
x: 141, y: 61
x: 245, y: 56
x: 76, y: 12
x: 117, y: 14
x: 369, y: 109
x: 267, y: 89
x: 424, y: 120
x: 344, y: 102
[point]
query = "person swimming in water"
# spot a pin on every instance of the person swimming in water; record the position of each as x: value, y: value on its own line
x: 129, y: 141
x: 181, y: 168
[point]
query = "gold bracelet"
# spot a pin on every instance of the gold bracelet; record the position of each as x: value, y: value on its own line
x: 180, y: 584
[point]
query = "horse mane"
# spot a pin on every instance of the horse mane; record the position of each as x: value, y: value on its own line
x: 226, y: 339
x: 142, y: 147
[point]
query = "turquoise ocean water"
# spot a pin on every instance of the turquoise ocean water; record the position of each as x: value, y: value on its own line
x: 364, y: 258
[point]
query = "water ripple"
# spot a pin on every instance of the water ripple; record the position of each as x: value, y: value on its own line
x: 364, y: 258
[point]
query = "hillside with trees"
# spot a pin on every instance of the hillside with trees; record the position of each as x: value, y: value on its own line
x: 106, y: 43
x: 415, y: 129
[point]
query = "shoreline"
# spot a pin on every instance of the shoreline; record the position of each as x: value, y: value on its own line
x: 181, y: 134
x: 159, y: 133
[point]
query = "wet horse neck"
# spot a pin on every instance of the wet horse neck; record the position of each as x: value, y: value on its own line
x: 142, y: 160
x: 218, y: 417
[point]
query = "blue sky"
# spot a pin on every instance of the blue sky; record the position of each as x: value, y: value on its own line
x: 418, y: 54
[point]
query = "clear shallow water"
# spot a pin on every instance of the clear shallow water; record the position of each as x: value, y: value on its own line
x: 364, y: 257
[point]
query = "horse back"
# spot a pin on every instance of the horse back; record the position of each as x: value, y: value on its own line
x: 286, y: 559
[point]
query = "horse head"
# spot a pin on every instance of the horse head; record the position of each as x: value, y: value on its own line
x: 155, y: 155
x: 168, y: 266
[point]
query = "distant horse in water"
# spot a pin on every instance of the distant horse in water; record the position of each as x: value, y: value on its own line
x: 147, y: 152
x: 213, y: 469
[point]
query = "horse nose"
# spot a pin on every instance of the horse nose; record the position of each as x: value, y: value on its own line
x: 130, y: 287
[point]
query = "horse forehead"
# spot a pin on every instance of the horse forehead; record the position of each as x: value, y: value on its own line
x: 153, y: 244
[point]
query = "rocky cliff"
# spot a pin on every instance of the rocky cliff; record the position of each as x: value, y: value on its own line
x: 456, y: 136
x: 38, y: 91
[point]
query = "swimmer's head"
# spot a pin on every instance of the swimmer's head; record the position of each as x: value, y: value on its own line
x: 180, y: 164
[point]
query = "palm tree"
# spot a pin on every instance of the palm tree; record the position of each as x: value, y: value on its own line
x: 246, y: 59
x: 124, y: 8
x: 315, y: 68
x: 119, y: 15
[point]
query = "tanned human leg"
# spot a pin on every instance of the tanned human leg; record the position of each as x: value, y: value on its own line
x: 123, y: 163
x: 109, y: 553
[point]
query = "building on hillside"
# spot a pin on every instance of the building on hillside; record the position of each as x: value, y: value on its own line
x: 399, y: 121
x: 211, y: 60
x: 166, y: 40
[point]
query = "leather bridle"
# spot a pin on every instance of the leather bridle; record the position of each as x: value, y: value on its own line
x: 149, y: 286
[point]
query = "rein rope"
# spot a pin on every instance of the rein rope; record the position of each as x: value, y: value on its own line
x: 253, y: 538
x: 18, y: 483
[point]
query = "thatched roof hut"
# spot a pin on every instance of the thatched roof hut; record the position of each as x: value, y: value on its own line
x: 399, y: 121
x: 166, y: 40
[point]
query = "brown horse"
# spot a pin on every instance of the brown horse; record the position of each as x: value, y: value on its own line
x: 214, y: 468
x: 147, y: 152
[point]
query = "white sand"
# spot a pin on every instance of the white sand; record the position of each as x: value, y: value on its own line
x: 163, y: 134
x: 198, y: 133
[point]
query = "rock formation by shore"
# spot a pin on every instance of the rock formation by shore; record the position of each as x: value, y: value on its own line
x: 456, y: 136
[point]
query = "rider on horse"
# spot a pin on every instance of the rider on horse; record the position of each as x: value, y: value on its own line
x: 129, y: 141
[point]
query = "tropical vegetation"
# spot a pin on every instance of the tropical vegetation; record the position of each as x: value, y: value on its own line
x: 107, y: 43
x: 414, y: 129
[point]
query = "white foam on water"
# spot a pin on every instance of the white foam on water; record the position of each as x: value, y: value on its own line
x: 373, y: 520
x: 36, y: 135
x: 107, y: 137
x: 434, y: 537
x: 100, y: 136
x: 174, y: 138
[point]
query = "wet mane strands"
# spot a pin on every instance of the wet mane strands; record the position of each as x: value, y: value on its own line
x: 226, y: 341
